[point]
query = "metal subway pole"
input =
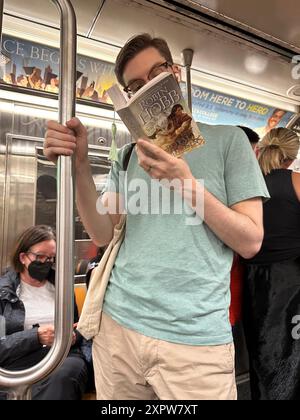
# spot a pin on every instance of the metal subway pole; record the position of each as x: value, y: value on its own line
x: 187, y: 56
x: 18, y: 384
x: 1, y: 16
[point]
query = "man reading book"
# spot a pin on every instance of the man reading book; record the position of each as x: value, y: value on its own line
x: 165, y: 330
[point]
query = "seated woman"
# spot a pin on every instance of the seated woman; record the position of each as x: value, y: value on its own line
x: 27, y: 303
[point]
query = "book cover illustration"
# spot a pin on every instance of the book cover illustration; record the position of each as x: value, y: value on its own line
x: 158, y: 112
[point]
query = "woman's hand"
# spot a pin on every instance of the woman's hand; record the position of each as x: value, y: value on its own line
x: 46, y: 335
x: 73, y: 339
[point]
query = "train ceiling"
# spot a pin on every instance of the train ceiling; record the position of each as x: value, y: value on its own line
x: 274, y: 20
x: 278, y: 21
x: 250, y: 42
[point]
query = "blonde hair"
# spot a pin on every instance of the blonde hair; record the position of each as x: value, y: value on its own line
x: 278, y: 146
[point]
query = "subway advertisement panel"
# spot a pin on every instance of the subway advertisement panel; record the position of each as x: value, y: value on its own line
x: 31, y: 65
x: 35, y: 66
x: 211, y: 107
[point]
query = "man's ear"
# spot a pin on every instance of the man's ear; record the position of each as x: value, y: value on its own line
x: 177, y: 72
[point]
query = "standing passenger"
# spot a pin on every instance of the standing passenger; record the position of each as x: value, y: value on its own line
x: 271, y: 290
x: 237, y: 270
x: 252, y: 136
x: 165, y: 330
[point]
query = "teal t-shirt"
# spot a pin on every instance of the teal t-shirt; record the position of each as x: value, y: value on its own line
x: 171, y: 278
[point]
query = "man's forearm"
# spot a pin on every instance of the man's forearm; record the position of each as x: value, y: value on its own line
x: 98, y: 226
x: 236, y: 230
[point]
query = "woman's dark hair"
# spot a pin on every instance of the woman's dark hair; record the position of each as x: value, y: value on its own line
x: 30, y: 237
x: 136, y: 45
x: 251, y: 134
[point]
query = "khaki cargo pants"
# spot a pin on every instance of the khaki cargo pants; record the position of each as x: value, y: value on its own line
x: 130, y: 366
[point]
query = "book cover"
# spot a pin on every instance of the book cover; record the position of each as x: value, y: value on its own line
x: 158, y: 112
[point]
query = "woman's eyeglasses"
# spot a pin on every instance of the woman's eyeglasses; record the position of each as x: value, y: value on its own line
x: 41, y: 257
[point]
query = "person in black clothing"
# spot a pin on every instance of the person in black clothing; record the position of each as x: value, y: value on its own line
x: 252, y: 136
x: 27, y: 301
x: 272, y: 283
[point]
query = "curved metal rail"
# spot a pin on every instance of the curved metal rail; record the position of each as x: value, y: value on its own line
x: 18, y: 384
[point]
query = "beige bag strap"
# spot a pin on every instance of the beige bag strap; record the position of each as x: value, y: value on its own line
x: 89, y: 322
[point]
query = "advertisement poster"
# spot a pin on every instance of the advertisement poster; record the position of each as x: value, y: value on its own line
x: 211, y: 107
x: 31, y: 65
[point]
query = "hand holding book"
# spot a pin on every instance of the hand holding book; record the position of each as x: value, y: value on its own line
x: 161, y: 165
x: 158, y: 112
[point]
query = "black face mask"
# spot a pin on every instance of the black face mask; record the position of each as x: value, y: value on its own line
x: 39, y: 271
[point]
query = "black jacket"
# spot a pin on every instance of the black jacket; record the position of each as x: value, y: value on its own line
x: 17, y: 343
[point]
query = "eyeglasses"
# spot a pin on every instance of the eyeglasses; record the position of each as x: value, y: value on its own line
x: 137, y: 84
x: 41, y: 257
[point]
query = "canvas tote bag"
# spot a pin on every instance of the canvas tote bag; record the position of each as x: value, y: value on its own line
x: 90, y: 319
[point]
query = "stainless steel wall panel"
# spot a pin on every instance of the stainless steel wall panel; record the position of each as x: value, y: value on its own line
x: 20, y: 191
x: 5, y: 126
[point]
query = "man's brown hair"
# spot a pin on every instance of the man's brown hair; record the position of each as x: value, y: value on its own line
x: 136, y: 45
x: 30, y: 237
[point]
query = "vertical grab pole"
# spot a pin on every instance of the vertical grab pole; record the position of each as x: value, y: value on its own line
x: 65, y: 177
x: 18, y: 383
x: 188, y: 56
x: 1, y: 17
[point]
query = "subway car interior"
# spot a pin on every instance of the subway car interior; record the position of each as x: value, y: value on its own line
x: 240, y: 66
